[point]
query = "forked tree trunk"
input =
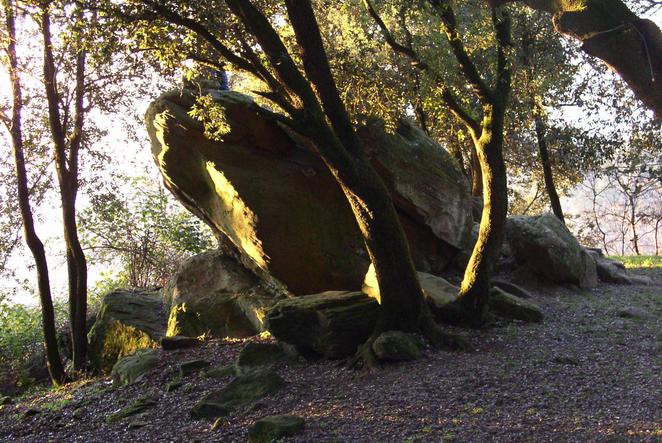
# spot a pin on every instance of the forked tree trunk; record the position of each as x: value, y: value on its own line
x: 554, y: 200
x: 67, y: 173
x: 54, y: 363
x: 475, y: 287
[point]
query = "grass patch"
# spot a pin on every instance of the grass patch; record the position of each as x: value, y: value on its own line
x: 639, y: 261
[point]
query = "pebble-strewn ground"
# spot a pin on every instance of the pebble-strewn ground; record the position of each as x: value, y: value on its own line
x: 587, y: 374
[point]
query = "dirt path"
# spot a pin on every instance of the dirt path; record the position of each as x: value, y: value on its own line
x: 590, y: 372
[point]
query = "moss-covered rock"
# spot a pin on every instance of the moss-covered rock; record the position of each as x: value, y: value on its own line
x: 179, y: 342
x: 213, y: 294
x: 139, y: 406
x: 221, y: 371
x: 275, y: 428
x: 126, y: 322
x: 332, y: 324
x: 240, y: 392
x: 260, y: 356
x: 509, y: 306
x: 544, y: 245
x: 132, y: 368
x: 397, y: 346
x: 192, y: 367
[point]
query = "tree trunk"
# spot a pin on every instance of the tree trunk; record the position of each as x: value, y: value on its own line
x: 54, y: 363
x: 547, y: 168
x: 67, y: 173
x: 474, y: 290
x: 633, y: 223
x: 476, y: 173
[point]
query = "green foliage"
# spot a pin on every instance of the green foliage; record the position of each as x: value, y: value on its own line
x: 141, y: 232
x: 639, y: 261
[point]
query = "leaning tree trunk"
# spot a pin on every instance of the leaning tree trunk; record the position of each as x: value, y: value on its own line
x: 476, y: 173
x: 554, y: 200
x: 53, y: 361
x: 610, y: 31
x: 475, y: 287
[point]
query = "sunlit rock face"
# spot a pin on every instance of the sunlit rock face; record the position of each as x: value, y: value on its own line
x: 265, y: 190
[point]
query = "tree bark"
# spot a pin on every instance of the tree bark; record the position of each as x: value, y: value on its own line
x: 67, y: 173
x: 476, y: 174
x: 547, y: 168
x: 54, y: 363
x: 475, y: 287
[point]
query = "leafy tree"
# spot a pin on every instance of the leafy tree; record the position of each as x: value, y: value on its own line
x: 142, y: 233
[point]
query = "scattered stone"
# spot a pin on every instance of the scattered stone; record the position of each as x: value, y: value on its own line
x: 240, y: 392
x: 139, y: 406
x: 611, y: 271
x: 508, y: 306
x: 217, y: 423
x: 511, y: 288
x: 397, y: 346
x: 179, y: 342
x: 215, y: 295
x: 332, y: 324
x: 221, y: 371
x: 259, y: 355
x: 275, y: 428
x: 137, y: 425
x: 127, y: 321
x: 174, y: 385
x: 566, y: 360
x: 192, y: 367
x: 635, y: 313
x: 31, y: 412
x: 132, y: 368
x: 641, y: 280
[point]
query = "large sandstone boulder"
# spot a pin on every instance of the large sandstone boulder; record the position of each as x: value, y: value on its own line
x: 265, y: 190
x: 213, y: 294
x: 127, y: 321
x: 544, y: 245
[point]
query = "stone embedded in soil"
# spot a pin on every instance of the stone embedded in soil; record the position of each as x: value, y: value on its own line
x: 31, y: 412
x: 221, y: 371
x: 6, y: 400
x: 633, y: 312
x: 275, y: 428
x: 259, y: 355
x: 139, y: 406
x: 179, y: 342
x: 241, y: 392
x: 397, y: 346
x: 511, y: 288
x: 137, y: 425
x: 192, y: 367
x: 174, y: 385
x: 508, y: 306
x: 132, y: 368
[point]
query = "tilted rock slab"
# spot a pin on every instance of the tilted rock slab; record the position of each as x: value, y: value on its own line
x: 266, y: 190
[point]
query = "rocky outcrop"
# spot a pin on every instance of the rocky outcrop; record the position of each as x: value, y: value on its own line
x: 213, y: 294
x: 546, y: 247
x: 126, y: 322
x: 266, y: 191
x: 332, y: 324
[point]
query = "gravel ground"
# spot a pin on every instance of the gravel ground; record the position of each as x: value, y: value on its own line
x: 587, y: 374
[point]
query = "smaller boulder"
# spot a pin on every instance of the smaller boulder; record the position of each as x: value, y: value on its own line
x: 275, y: 428
x: 174, y: 385
x: 511, y: 288
x: 332, y: 324
x: 221, y: 371
x: 132, y: 368
x: 139, y: 406
x: 179, y: 342
x: 126, y: 322
x: 508, y: 306
x: 259, y: 356
x: 241, y: 392
x: 192, y: 367
x: 397, y: 346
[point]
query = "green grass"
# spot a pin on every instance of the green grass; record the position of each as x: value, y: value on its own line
x: 639, y: 261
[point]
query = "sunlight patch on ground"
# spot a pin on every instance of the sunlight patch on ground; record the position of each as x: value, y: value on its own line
x: 639, y: 261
